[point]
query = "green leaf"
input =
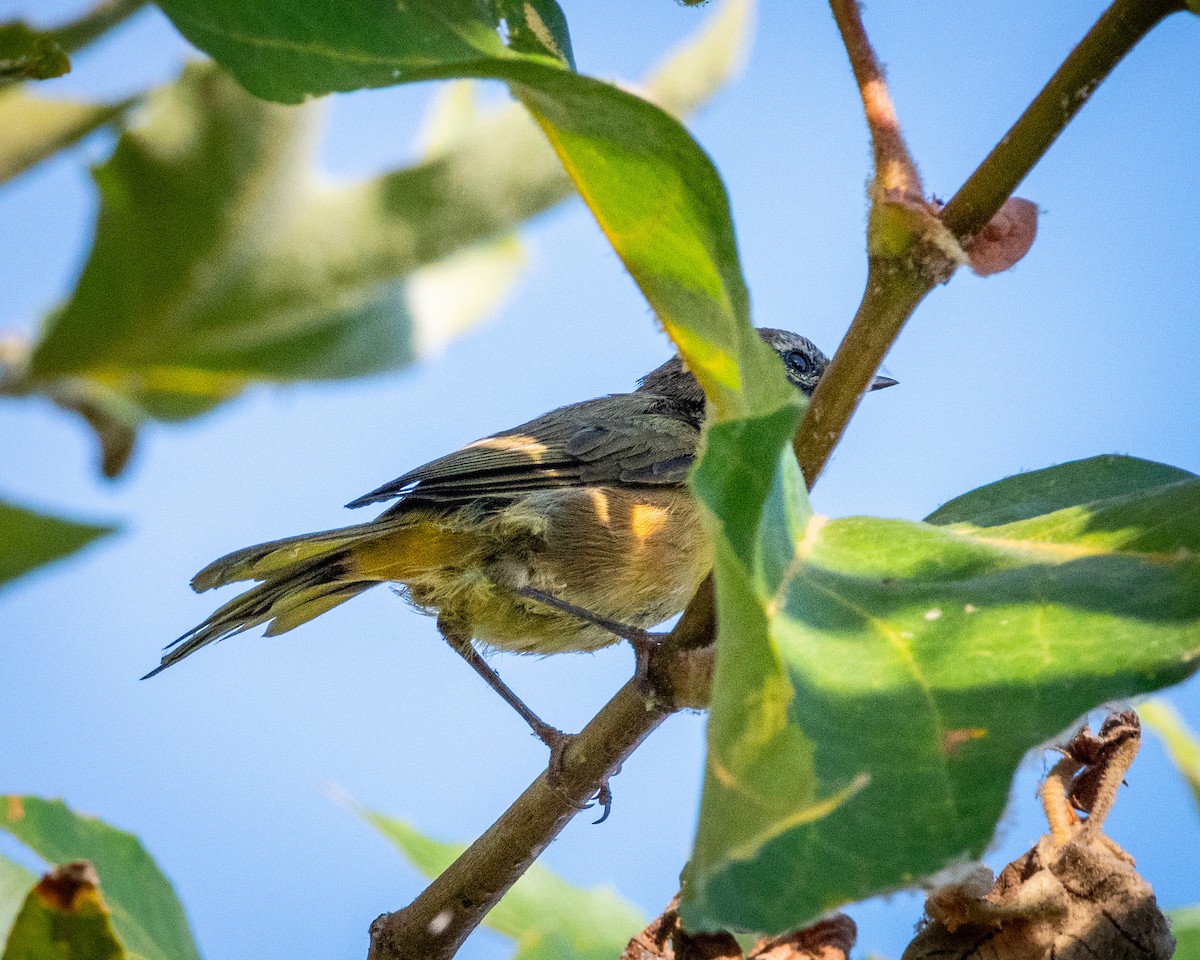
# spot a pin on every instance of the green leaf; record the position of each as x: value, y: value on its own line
x: 1055, y: 488
x: 26, y: 54
x: 146, y: 914
x: 30, y: 539
x: 36, y: 128
x: 1183, y: 746
x: 880, y: 680
x: 547, y: 917
x: 15, y: 882
x: 286, y: 58
x: 1185, y: 925
x: 664, y: 209
x: 64, y: 918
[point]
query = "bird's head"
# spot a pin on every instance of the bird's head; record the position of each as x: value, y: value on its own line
x: 803, y: 362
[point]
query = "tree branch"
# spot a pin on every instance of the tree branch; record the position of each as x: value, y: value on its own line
x: 910, y: 249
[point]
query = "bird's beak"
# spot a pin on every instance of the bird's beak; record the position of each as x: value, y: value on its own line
x: 880, y: 382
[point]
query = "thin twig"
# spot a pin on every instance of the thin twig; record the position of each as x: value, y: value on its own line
x: 93, y: 24
x: 452, y: 906
x: 895, y: 171
x: 891, y: 297
x: 441, y: 918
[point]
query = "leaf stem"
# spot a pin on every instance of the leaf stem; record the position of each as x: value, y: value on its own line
x: 890, y: 298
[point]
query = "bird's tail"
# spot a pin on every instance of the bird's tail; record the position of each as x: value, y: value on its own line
x: 303, y: 577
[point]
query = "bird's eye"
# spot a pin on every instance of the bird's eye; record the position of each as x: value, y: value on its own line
x: 797, y: 360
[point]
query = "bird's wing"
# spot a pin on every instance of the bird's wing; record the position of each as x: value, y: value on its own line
x: 625, y: 438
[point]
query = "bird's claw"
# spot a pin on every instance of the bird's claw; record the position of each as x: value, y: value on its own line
x: 559, y: 743
x: 605, y: 799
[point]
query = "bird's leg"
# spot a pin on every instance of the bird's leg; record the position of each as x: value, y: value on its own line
x: 643, y: 642
x: 635, y: 635
x: 552, y: 737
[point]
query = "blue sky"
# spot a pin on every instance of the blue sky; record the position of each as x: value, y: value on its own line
x: 223, y: 766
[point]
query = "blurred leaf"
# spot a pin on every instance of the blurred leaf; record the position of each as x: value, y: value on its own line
x: 15, y: 882
x: 27, y: 54
x: 452, y: 295
x: 176, y: 307
x: 146, y: 914
x: 547, y: 917
x: 880, y: 680
x: 652, y: 189
x: 29, y: 539
x: 219, y: 262
x: 1181, y: 742
x: 36, y: 128
x: 1185, y: 925
x: 701, y: 65
x: 64, y: 918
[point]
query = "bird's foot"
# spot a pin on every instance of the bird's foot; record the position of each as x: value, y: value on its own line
x: 559, y: 743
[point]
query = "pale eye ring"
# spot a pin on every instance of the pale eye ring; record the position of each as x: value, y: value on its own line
x: 797, y: 361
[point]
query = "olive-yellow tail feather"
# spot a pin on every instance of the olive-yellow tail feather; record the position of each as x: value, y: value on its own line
x: 305, y: 576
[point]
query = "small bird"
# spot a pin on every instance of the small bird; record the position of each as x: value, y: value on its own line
x: 562, y: 534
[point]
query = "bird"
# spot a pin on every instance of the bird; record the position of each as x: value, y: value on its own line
x: 565, y: 533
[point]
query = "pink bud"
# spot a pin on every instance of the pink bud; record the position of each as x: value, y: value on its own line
x: 1006, y: 238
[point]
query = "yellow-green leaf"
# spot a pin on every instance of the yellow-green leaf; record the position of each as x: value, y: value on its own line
x: 64, y: 918
x: 37, y: 127
x: 29, y: 539
x: 146, y: 914
x: 15, y: 882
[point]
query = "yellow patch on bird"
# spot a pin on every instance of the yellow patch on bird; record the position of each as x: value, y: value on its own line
x: 409, y: 551
x: 645, y: 520
x: 514, y: 443
x: 600, y: 503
